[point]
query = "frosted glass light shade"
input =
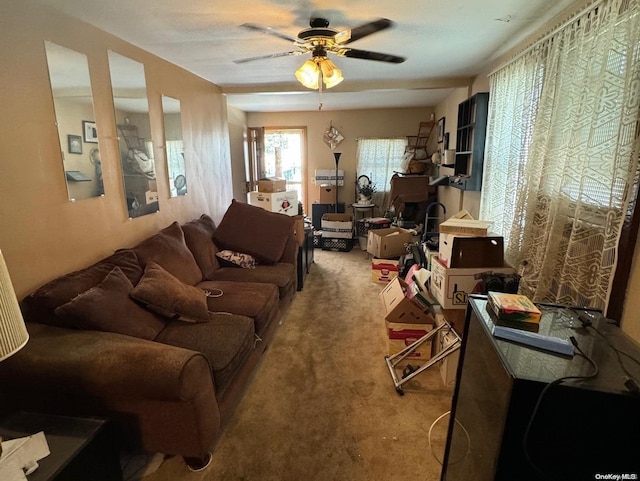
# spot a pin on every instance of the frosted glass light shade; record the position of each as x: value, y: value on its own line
x: 307, y: 75
x: 13, y: 332
x: 331, y: 75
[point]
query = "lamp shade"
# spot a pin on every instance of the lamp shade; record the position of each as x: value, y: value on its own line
x: 13, y: 332
x: 307, y: 75
x: 331, y: 75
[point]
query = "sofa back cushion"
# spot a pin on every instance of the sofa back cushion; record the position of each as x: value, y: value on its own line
x: 198, y: 234
x: 108, y: 307
x: 252, y: 230
x: 40, y: 305
x: 168, y: 249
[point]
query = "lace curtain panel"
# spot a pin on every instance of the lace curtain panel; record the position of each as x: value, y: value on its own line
x: 561, y: 163
x: 378, y: 159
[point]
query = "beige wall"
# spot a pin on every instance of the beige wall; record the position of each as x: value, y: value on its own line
x: 42, y: 234
x: 352, y: 124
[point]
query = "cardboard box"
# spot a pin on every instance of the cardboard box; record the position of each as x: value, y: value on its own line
x: 281, y: 202
x: 272, y: 184
x: 451, y: 287
x: 337, y: 226
x: 465, y: 252
x: 327, y: 194
x: 384, y: 270
x: 401, y: 335
x: 298, y: 228
x: 399, y: 308
x: 465, y: 227
x: 388, y: 243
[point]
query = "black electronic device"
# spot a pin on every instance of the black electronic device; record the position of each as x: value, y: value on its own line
x: 579, y: 430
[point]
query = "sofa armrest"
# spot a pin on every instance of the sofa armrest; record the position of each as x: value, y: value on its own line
x: 103, y: 364
x: 147, y: 388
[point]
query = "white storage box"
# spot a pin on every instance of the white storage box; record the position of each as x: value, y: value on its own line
x: 328, y: 177
x: 451, y: 287
x: 337, y: 226
x: 280, y: 202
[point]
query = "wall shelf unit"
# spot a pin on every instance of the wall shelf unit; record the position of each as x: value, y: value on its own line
x: 470, y: 141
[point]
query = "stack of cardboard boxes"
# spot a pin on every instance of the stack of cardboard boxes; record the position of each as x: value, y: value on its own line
x: 337, y: 232
x: 272, y: 195
x: 467, y: 255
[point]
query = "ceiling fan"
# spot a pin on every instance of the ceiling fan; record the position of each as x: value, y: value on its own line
x: 319, y: 40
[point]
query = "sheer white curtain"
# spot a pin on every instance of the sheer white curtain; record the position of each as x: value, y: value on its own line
x: 561, y: 165
x: 379, y: 159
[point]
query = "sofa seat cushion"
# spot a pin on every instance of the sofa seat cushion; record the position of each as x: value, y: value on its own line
x: 252, y: 299
x: 198, y: 235
x: 108, y: 307
x: 281, y: 274
x: 169, y: 249
x: 252, y: 230
x: 225, y: 340
x: 40, y: 305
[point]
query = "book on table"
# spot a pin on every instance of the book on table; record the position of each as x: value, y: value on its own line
x: 514, y: 309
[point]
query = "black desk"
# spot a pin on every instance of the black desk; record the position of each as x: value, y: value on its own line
x: 580, y: 428
x: 81, y: 448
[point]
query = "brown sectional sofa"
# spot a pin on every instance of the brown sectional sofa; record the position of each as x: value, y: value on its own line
x: 128, y: 337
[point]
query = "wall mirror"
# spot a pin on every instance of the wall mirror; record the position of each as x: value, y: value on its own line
x: 75, y: 119
x: 134, y: 134
x: 174, y: 146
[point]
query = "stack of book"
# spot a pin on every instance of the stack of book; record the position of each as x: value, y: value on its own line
x: 516, y: 318
x: 513, y: 310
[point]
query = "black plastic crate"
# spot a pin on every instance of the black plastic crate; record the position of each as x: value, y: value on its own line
x: 333, y: 244
x: 317, y: 238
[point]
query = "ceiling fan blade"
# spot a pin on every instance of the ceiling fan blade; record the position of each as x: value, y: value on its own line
x: 365, y: 54
x: 352, y: 34
x: 269, y: 31
x: 272, y: 55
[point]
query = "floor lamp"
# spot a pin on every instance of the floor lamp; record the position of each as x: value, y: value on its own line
x: 13, y: 332
x: 337, y: 155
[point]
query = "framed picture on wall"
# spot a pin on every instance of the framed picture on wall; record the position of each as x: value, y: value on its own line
x: 441, y: 129
x: 75, y: 144
x: 90, y: 132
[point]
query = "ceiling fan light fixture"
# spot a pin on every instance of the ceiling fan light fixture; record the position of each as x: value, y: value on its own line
x: 307, y: 74
x: 331, y: 74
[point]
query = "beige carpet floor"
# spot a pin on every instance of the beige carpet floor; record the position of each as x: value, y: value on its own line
x: 322, y: 405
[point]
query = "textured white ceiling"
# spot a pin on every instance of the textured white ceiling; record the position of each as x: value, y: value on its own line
x: 441, y: 39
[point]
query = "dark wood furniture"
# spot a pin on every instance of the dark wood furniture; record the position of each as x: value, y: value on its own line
x: 305, y: 257
x: 81, y: 448
x: 579, y: 430
x: 470, y: 140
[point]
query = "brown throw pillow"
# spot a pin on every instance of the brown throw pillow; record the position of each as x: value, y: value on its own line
x: 168, y: 249
x: 254, y: 231
x: 166, y: 295
x: 198, y: 235
x: 39, y: 306
x: 108, y: 307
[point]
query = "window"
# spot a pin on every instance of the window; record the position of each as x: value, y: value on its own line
x: 561, y: 163
x: 284, y: 157
x: 379, y: 159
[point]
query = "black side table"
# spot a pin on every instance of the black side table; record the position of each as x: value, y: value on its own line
x: 305, y: 257
x: 81, y: 448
